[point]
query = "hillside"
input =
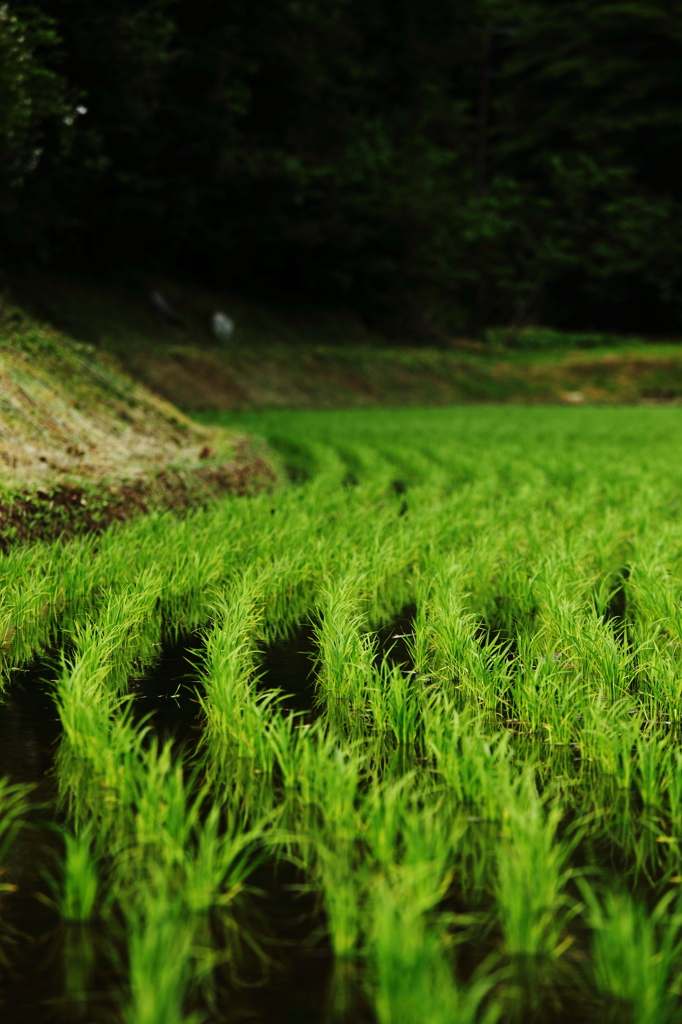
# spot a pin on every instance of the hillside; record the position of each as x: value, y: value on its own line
x: 283, y: 355
x: 82, y: 443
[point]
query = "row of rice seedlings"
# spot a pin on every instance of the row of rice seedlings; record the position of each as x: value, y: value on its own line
x: 346, y: 654
x: 233, y: 711
x: 147, y: 844
x: 636, y: 955
x: 52, y: 586
x: 450, y: 644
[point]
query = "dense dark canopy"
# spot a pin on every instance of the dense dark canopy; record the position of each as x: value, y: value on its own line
x: 441, y: 164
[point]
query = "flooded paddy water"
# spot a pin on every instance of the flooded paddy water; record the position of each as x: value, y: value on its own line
x: 395, y: 755
x: 74, y: 972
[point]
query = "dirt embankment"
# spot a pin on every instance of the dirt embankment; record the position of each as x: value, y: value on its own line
x: 82, y: 444
x: 283, y: 356
x: 329, y: 377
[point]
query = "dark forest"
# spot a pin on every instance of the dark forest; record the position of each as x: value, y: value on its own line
x: 439, y: 166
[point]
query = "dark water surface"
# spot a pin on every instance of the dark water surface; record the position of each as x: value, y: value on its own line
x: 288, y: 665
x: 29, y: 732
x: 50, y: 971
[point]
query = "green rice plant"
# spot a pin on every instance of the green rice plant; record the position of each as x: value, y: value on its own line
x: 334, y: 786
x: 394, y: 706
x: 231, y: 658
x: 461, y: 659
x: 383, y: 814
x: 206, y: 851
x: 637, y: 956
x: 13, y: 806
x: 608, y: 737
x: 160, y: 957
x: 606, y: 661
x: 405, y: 826
x: 99, y: 741
x: 660, y: 688
x: 342, y: 876
x: 77, y: 900
x: 532, y: 873
x: 452, y: 627
x: 672, y: 796
x: 546, y: 689
x: 430, y: 835
x: 411, y: 974
x: 26, y: 612
x: 654, y: 594
x: 516, y: 600
x: 286, y: 736
x: 564, y: 591
x: 225, y: 854
x: 653, y: 767
x: 472, y: 762
x: 330, y: 775
x: 346, y: 656
x: 79, y: 956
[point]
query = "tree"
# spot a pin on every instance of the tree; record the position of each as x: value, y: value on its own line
x: 442, y: 166
x: 33, y: 96
x: 587, y: 121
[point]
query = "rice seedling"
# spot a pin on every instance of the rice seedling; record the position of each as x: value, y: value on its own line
x: 160, y: 952
x: 637, y: 956
x: 13, y: 805
x: 78, y: 899
x: 412, y: 977
x: 533, y: 872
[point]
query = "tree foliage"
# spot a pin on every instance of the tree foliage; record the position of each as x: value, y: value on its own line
x: 31, y: 93
x: 441, y: 165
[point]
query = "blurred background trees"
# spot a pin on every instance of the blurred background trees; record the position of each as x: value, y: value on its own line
x: 440, y: 165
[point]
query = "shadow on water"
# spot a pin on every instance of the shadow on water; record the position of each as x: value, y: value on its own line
x: 29, y: 727
x: 296, y: 980
x: 291, y: 987
x: 166, y: 695
x: 394, y: 638
x: 29, y: 732
x: 289, y: 665
x: 65, y: 973
x: 617, y: 606
x: 50, y: 971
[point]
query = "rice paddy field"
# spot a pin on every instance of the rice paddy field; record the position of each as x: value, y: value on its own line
x: 398, y: 743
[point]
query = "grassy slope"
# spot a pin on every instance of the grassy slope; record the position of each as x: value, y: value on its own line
x: 281, y: 357
x: 81, y: 442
